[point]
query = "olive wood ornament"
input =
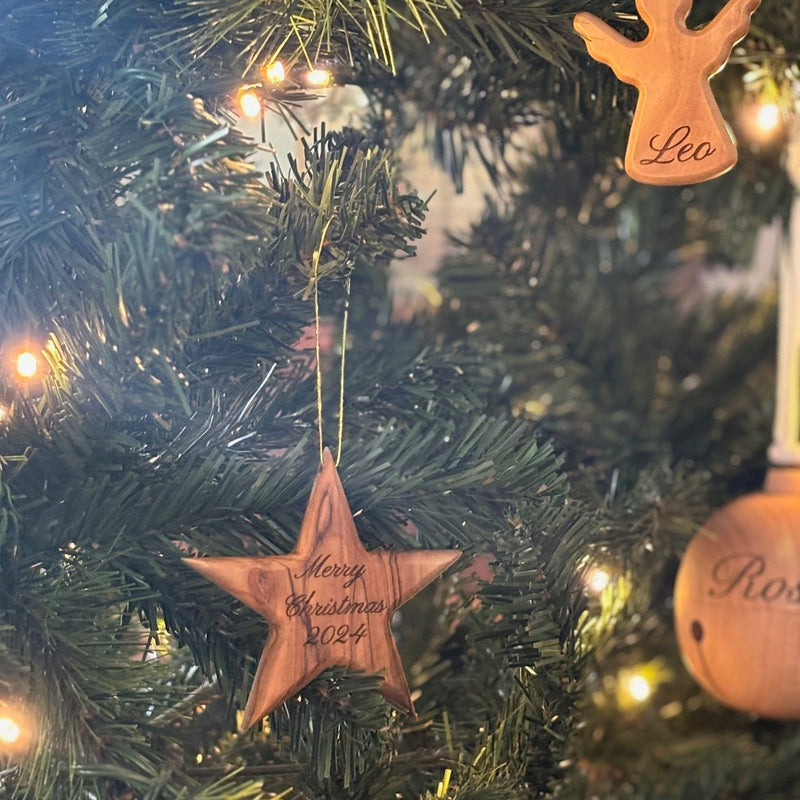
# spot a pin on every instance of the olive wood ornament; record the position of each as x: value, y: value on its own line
x: 329, y: 602
x: 737, y: 592
x: 737, y: 600
x: 678, y: 134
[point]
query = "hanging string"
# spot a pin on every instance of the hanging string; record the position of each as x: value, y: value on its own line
x: 317, y: 348
x: 316, y: 354
x: 340, y: 434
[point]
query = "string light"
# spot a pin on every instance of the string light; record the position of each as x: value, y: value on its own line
x: 10, y: 731
x: 318, y: 77
x: 633, y: 688
x: 596, y: 580
x: 250, y: 104
x: 638, y: 687
x: 635, y: 685
x: 16, y: 727
x: 27, y: 364
x: 768, y: 117
x: 275, y: 72
x: 762, y: 121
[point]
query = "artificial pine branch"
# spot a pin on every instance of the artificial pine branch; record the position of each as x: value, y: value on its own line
x: 178, y: 412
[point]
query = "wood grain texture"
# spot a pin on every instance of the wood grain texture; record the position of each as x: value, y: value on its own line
x: 328, y: 603
x: 737, y: 601
x: 678, y: 134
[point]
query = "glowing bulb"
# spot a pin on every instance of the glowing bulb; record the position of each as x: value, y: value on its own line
x: 275, y: 72
x: 633, y: 688
x: 10, y: 731
x: 3, y: 413
x: 768, y: 117
x: 638, y: 688
x: 251, y: 105
x: 597, y: 579
x: 27, y: 364
x: 318, y: 77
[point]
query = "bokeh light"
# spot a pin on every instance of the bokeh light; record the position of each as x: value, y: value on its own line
x: 761, y: 122
x: 768, y: 117
x: 635, y: 685
x: 596, y: 580
x: 638, y: 687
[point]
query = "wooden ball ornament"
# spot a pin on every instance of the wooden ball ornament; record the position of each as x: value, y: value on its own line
x: 737, y: 600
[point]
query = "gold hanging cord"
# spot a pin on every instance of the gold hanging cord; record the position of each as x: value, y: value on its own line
x: 340, y: 433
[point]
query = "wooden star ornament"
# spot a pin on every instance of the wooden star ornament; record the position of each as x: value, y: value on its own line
x: 328, y: 603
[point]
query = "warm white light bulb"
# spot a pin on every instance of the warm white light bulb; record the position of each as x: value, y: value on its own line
x: 768, y: 117
x: 10, y: 731
x: 318, y: 77
x: 275, y: 72
x: 597, y: 579
x: 27, y: 364
x: 638, y: 687
x: 250, y: 104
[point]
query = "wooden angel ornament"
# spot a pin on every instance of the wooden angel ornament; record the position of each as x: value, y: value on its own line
x: 678, y: 134
x: 329, y: 602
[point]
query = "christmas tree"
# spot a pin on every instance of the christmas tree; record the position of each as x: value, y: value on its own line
x: 189, y: 315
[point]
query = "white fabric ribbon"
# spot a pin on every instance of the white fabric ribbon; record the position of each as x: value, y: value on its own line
x: 785, y: 448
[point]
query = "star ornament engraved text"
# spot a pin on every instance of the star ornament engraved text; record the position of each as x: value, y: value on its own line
x: 329, y: 602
